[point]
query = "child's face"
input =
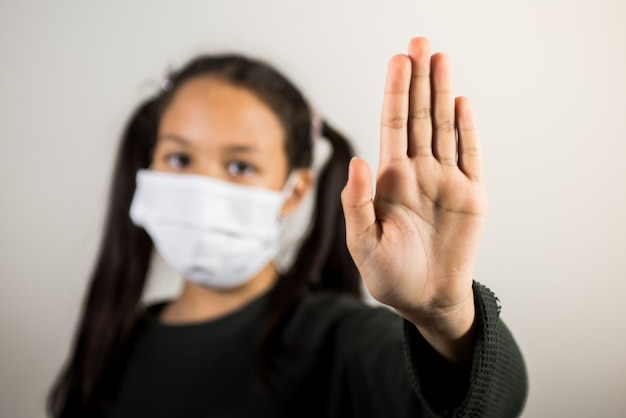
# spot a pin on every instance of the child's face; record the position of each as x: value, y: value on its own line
x: 215, y: 129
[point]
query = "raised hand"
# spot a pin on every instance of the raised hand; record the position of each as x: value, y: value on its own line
x: 416, y: 242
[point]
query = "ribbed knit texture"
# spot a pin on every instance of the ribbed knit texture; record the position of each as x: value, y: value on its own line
x: 497, y: 374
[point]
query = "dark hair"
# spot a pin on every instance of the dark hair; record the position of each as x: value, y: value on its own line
x: 111, y: 309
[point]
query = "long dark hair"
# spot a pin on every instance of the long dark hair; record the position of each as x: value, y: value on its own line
x: 111, y: 308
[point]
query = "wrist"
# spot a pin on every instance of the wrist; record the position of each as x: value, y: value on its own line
x: 451, y: 332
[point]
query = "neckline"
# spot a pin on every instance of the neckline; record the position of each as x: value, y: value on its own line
x: 250, y: 310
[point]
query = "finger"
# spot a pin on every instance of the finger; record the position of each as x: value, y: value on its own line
x: 470, y: 159
x: 420, y: 123
x: 393, y: 126
x: 358, y: 207
x: 444, y: 135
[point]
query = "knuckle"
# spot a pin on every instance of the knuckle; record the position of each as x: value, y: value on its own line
x: 421, y: 150
x: 448, y: 161
x: 465, y: 128
x: 445, y: 126
x: 397, y: 122
x: 421, y: 113
x: 420, y: 75
x: 471, y: 151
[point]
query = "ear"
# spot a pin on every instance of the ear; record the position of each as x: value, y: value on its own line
x: 302, y: 186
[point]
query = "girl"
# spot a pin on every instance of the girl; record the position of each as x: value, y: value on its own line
x: 207, y: 171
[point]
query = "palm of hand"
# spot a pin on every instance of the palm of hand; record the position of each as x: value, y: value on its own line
x: 416, y: 243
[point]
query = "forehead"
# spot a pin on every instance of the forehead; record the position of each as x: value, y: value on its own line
x: 212, y: 112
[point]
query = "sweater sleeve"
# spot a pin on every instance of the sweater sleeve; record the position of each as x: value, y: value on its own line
x: 494, y: 385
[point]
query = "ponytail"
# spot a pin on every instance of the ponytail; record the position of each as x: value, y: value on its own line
x: 331, y: 264
x: 110, y: 307
x: 323, y: 262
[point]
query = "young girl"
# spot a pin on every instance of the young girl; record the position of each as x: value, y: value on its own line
x: 207, y: 171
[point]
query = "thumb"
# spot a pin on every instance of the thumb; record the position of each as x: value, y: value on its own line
x: 358, y: 207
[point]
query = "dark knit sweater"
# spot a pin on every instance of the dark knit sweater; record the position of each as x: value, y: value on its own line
x: 346, y: 359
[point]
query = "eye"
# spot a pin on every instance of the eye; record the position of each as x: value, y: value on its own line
x: 178, y: 161
x: 240, y: 168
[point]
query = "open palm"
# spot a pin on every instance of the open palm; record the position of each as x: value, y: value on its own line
x: 416, y: 242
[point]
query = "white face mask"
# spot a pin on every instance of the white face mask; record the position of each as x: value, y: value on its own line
x: 214, y: 233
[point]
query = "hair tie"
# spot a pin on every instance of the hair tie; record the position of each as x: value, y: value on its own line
x: 317, y: 125
x: 167, y: 84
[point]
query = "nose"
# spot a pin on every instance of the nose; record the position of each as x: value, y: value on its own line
x: 210, y: 166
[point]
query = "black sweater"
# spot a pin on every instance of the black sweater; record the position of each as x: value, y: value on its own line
x: 345, y: 359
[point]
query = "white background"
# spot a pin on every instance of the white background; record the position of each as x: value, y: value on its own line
x: 547, y: 80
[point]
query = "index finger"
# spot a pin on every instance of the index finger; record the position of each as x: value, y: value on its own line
x: 393, y: 125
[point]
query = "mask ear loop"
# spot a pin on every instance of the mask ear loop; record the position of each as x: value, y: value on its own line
x: 290, y: 184
x: 297, y: 225
x: 288, y: 189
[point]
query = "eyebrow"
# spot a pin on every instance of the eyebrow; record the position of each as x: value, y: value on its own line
x: 242, y: 149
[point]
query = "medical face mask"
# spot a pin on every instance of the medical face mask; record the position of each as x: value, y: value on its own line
x: 214, y: 233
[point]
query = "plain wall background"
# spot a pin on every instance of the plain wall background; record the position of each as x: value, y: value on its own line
x: 547, y: 83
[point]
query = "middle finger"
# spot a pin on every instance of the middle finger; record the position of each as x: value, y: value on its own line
x: 444, y: 134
